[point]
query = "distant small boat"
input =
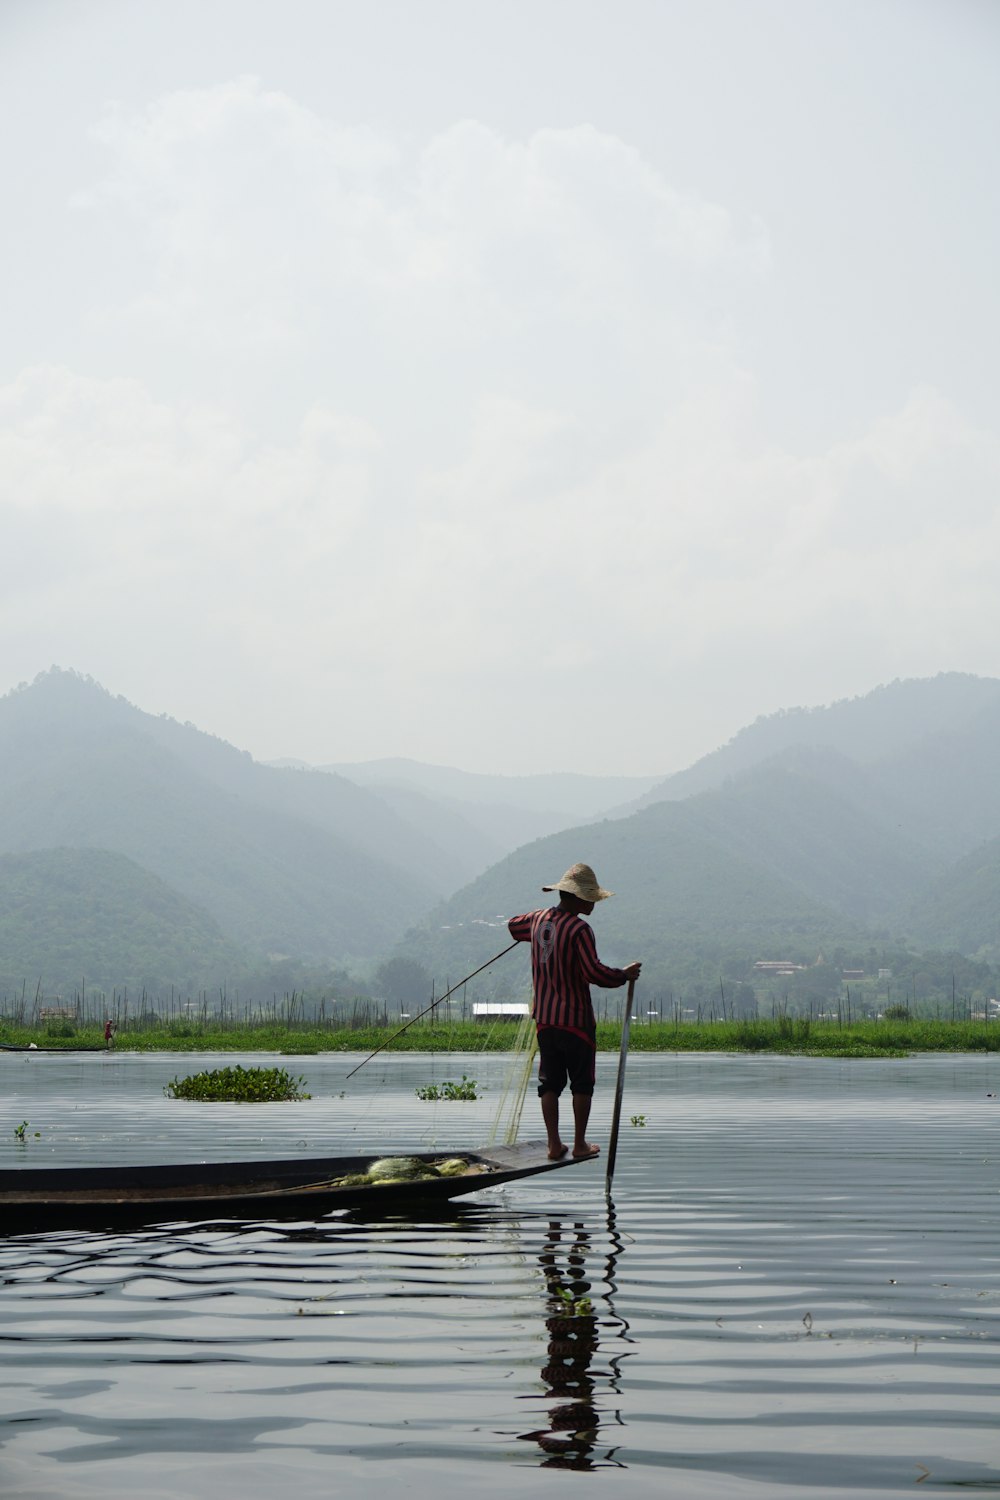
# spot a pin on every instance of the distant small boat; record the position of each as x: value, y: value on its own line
x: 67, y: 1197
x: 30, y: 1047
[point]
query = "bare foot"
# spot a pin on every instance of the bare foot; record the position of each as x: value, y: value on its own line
x: 558, y: 1151
x: 588, y: 1150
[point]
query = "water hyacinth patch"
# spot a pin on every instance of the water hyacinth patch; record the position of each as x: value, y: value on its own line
x: 239, y: 1085
x: 464, y: 1090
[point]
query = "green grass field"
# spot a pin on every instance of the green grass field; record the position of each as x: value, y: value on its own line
x: 786, y: 1034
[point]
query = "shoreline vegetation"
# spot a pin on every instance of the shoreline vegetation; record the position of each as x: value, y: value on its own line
x: 793, y: 1035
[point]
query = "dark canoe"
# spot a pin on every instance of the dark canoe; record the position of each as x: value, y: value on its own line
x: 30, y: 1050
x: 66, y: 1197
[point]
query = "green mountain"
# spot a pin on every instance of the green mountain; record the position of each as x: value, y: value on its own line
x: 881, y: 727
x: 74, y: 917
x: 62, y: 711
x: 960, y: 909
x: 875, y: 830
x: 825, y: 824
x: 803, y: 853
x: 682, y: 890
x: 949, y: 784
x: 285, y: 862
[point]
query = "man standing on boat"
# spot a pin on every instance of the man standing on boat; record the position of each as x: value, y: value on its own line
x: 564, y: 964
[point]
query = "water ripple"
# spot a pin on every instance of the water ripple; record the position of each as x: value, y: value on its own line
x: 795, y: 1290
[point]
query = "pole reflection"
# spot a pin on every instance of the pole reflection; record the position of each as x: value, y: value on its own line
x: 580, y: 1321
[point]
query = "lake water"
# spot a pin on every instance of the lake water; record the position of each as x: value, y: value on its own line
x: 794, y: 1292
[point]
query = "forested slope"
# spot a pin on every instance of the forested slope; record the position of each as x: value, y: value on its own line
x: 265, y: 853
x: 85, y: 917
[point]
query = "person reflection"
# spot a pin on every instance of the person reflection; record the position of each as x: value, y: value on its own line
x: 571, y: 1436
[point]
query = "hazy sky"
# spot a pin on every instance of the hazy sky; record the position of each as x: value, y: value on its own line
x: 513, y: 384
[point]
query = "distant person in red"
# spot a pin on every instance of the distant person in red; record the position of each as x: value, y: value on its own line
x: 109, y: 1033
x: 564, y: 964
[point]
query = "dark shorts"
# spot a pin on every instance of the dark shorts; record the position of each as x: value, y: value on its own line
x: 563, y: 1055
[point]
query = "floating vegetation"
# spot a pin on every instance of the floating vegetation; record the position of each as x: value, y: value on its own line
x: 850, y: 1048
x: 239, y: 1085
x: 637, y: 1120
x: 576, y: 1307
x: 448, y: 1090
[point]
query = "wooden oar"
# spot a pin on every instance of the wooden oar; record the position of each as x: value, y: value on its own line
x: 428, y: 1008
x: 620, y: 1087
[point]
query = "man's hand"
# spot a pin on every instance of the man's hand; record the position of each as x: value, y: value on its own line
x: 632, y: 970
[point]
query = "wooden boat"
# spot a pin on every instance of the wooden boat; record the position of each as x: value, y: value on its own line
x: 30, y: 1048
x: 66, y: 1197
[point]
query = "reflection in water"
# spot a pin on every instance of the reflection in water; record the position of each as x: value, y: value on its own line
x: 331, y: 1357
x: 573, y: 1326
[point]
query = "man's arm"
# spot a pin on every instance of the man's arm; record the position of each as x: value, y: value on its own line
x: 593, y: 971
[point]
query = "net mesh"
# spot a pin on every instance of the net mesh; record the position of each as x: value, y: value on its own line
x: 507, y: 1121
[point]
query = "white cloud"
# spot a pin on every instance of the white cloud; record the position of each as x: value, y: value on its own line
x: 444, y: 448
x: 517, y: 584
x: 265, y: 224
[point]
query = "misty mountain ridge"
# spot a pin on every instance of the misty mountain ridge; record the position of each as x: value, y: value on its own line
x: 805, y: 847
x: 283, y: 861
x: 550, y: 792
x: 498, y: 813
x: 63, y: 712
x: 882, y: 725
x: 813, y: 846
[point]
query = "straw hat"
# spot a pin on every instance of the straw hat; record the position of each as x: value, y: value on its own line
x: 581, y: 881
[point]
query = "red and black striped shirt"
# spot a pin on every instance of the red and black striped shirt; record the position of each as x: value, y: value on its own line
x: 564, y: 964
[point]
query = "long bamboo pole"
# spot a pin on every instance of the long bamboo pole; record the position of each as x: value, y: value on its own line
x: 620, y: 1086
x: 427, y: 1008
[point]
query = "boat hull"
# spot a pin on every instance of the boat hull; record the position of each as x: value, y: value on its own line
x: 68, y: 1197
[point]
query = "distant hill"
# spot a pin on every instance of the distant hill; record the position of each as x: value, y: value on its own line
x: 63, y: 709
x: 498, y: 813
x: 827, y: 825
x: 870, y: 825
x: 284, y: 861
x: 960, y: 910
x: 949, y: 784
x: 881, y: 726
x: 564, y: 792
x: 681, y: 887
x: 804, y: 851
x: 467, y: 841
x: 75, y: 917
